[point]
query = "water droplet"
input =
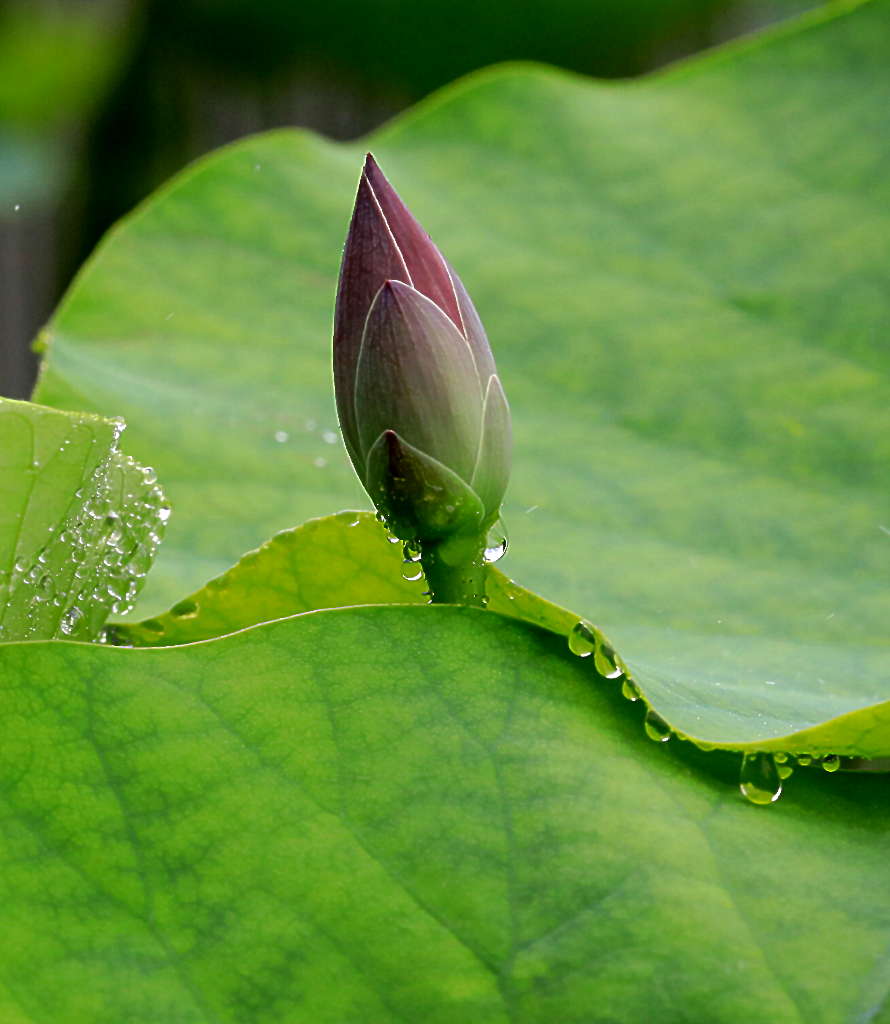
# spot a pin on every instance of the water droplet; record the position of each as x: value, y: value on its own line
x: 70, y: 620
x: 496, y: 542
x: 20, y: 565
x: 392, y: 538
x: 330, y: 436
x: 281, y: 436
x: 164, y: 513
x: 355, y: 522
x: 153, y: 625
x: 46, y: 584
x: 759, y: 778
x: 831, y: 763
x: 606, y: 662
x: 185, y: 610
x: 411, y: 572
x: 410, y: 553
x: 656, y: 727
x: 630, y: 690
x: 785, y: 771
x: 319, y: 462
x: 582, y: 639
x: 804, y: 759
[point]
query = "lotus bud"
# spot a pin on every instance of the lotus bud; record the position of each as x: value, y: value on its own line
x: 422, y: 411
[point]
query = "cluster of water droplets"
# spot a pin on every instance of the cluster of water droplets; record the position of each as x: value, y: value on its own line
x: 93, y: 560
x: 762, y: 772
x: 495, y: 547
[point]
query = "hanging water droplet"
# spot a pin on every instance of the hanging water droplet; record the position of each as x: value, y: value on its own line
x: 185, y: 610
x: 164, y: 513
x: 496, y: 542
x: 153, y: 626
x: 410, y: 553
x: 411, y: 572
x: 149, y: 476
x: 70, y: 620
x: 392, y: 538
x: 281, y: 436
x: 582, y: 639
x: 785, y: 771
x: 831, y: 763
x: 804, y: 760
x: 606, y: 662
x: 759, y: 778
x: 656, y: 727
x: 630, y: 690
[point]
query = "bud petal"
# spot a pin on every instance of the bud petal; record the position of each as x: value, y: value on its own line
x: 370, y: 258
x: 416, y: 375
x: 473, y: 330
x: 489, y: 479
x: 418, y: 495
x: 426, y: 265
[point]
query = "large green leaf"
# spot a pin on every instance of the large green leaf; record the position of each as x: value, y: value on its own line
x: 79, y: 523
x: 462, y: 826
x: 683, y: 279
x: 345, y: 560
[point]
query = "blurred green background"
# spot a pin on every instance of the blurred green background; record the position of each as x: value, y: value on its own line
x: 102, y: 100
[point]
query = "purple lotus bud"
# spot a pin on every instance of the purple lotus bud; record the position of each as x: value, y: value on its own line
x: 421, y: 408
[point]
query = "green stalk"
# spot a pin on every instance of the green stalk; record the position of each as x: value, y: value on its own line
x: 463, y: 583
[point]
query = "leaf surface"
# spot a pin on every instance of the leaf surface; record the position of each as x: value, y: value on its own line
x: 247, y: 830
x: 684, y: 283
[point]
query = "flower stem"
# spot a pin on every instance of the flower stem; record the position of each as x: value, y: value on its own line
x: 463, y: 583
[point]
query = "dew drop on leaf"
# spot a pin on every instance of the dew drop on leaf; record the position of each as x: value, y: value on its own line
x: 606, y: 662
x: 656, y: 727
x: 70, y: 620
x: 630, y: 690
x: 831, y: 763
x: 759, y: 779
x: 582, y: 639
x: 184, y: 610
x: 410, y: 553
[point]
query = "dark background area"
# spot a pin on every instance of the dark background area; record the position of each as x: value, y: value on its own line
x: 102, y: 100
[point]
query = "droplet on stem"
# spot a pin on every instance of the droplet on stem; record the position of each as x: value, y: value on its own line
x: 496, y: 542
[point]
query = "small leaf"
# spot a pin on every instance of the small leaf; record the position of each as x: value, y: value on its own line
x: 79, y: 523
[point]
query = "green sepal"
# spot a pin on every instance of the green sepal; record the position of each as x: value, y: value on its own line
x: 420, y: 497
